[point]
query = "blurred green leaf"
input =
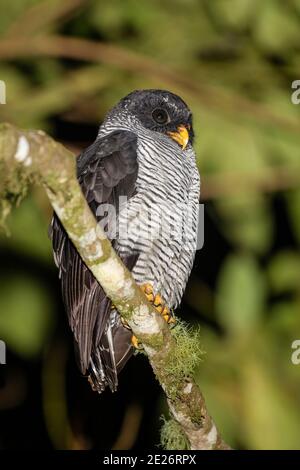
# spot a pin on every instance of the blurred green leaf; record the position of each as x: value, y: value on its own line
x: 10, y: 11
x: 25, y: 314
x: 271, y: 418
x: 284, y: 272
x: 28, y: 231
x: 241, y: 292
x: 235, y: 13
x: 276, y: 29
x: 284, y: 319
x: 247, y: 221
x: 233, y: 152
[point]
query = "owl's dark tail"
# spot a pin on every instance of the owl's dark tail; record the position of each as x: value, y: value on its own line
x: 110, y: 356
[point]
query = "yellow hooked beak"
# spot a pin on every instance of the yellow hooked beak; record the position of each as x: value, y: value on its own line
x: 181, y: 136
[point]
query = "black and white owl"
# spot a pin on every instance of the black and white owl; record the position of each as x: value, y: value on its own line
x: 142, y: 164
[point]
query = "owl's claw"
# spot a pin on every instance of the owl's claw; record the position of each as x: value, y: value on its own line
x: 125, y: 324
x: 158, y: 303
x: 135, y: 343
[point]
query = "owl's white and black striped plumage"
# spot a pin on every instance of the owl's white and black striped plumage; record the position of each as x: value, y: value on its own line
x: 135, y: 159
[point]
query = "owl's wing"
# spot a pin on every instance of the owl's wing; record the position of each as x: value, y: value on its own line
x: 106, y: 170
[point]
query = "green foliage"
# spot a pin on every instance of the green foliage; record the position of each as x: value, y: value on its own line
x: 25, y: 320
x: 284, y: 272
x: 241, y: 294
x: 22, y: 238
x: 10, y: 11
x: 262, y: 388
x: 276, y: 28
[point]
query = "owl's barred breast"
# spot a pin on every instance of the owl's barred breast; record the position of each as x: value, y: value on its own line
x: 160, y: 221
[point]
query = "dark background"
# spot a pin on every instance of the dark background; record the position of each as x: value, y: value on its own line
x: 65, y: 64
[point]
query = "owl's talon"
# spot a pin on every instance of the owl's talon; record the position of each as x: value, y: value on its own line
x: 150, y: 297
x: 147, y: 288
x: 165, y: 311
x: 90, y: 380
x: 125, y: 324
x: 159, y: 308
x: 158, y: 303
x: 148, y: 291
x: 169, y: 318
x: 135, y: 343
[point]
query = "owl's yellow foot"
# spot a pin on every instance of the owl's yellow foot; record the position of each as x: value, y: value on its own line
x: 158, y: 303
x: 135, y: 343
x: 161, y: 308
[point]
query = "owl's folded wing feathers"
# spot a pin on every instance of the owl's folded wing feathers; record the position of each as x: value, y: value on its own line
x: 106, y: 170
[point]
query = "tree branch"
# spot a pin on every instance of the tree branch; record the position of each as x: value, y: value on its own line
x: 211, y: 96
x: 32, y: 156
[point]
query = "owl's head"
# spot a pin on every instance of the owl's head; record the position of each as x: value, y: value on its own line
x: 161, y: 111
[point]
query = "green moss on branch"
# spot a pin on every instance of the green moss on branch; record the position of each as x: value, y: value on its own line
x: 172, y: 437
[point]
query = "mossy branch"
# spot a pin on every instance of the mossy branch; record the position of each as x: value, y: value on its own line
x: 32, y: 156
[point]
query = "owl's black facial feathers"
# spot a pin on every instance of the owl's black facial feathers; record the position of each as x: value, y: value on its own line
x: 159, y: 110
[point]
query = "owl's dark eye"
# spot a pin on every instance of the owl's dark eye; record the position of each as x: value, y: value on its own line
x: 160, y: 116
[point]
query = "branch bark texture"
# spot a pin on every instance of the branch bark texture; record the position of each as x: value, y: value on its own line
x: 32, y: 156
